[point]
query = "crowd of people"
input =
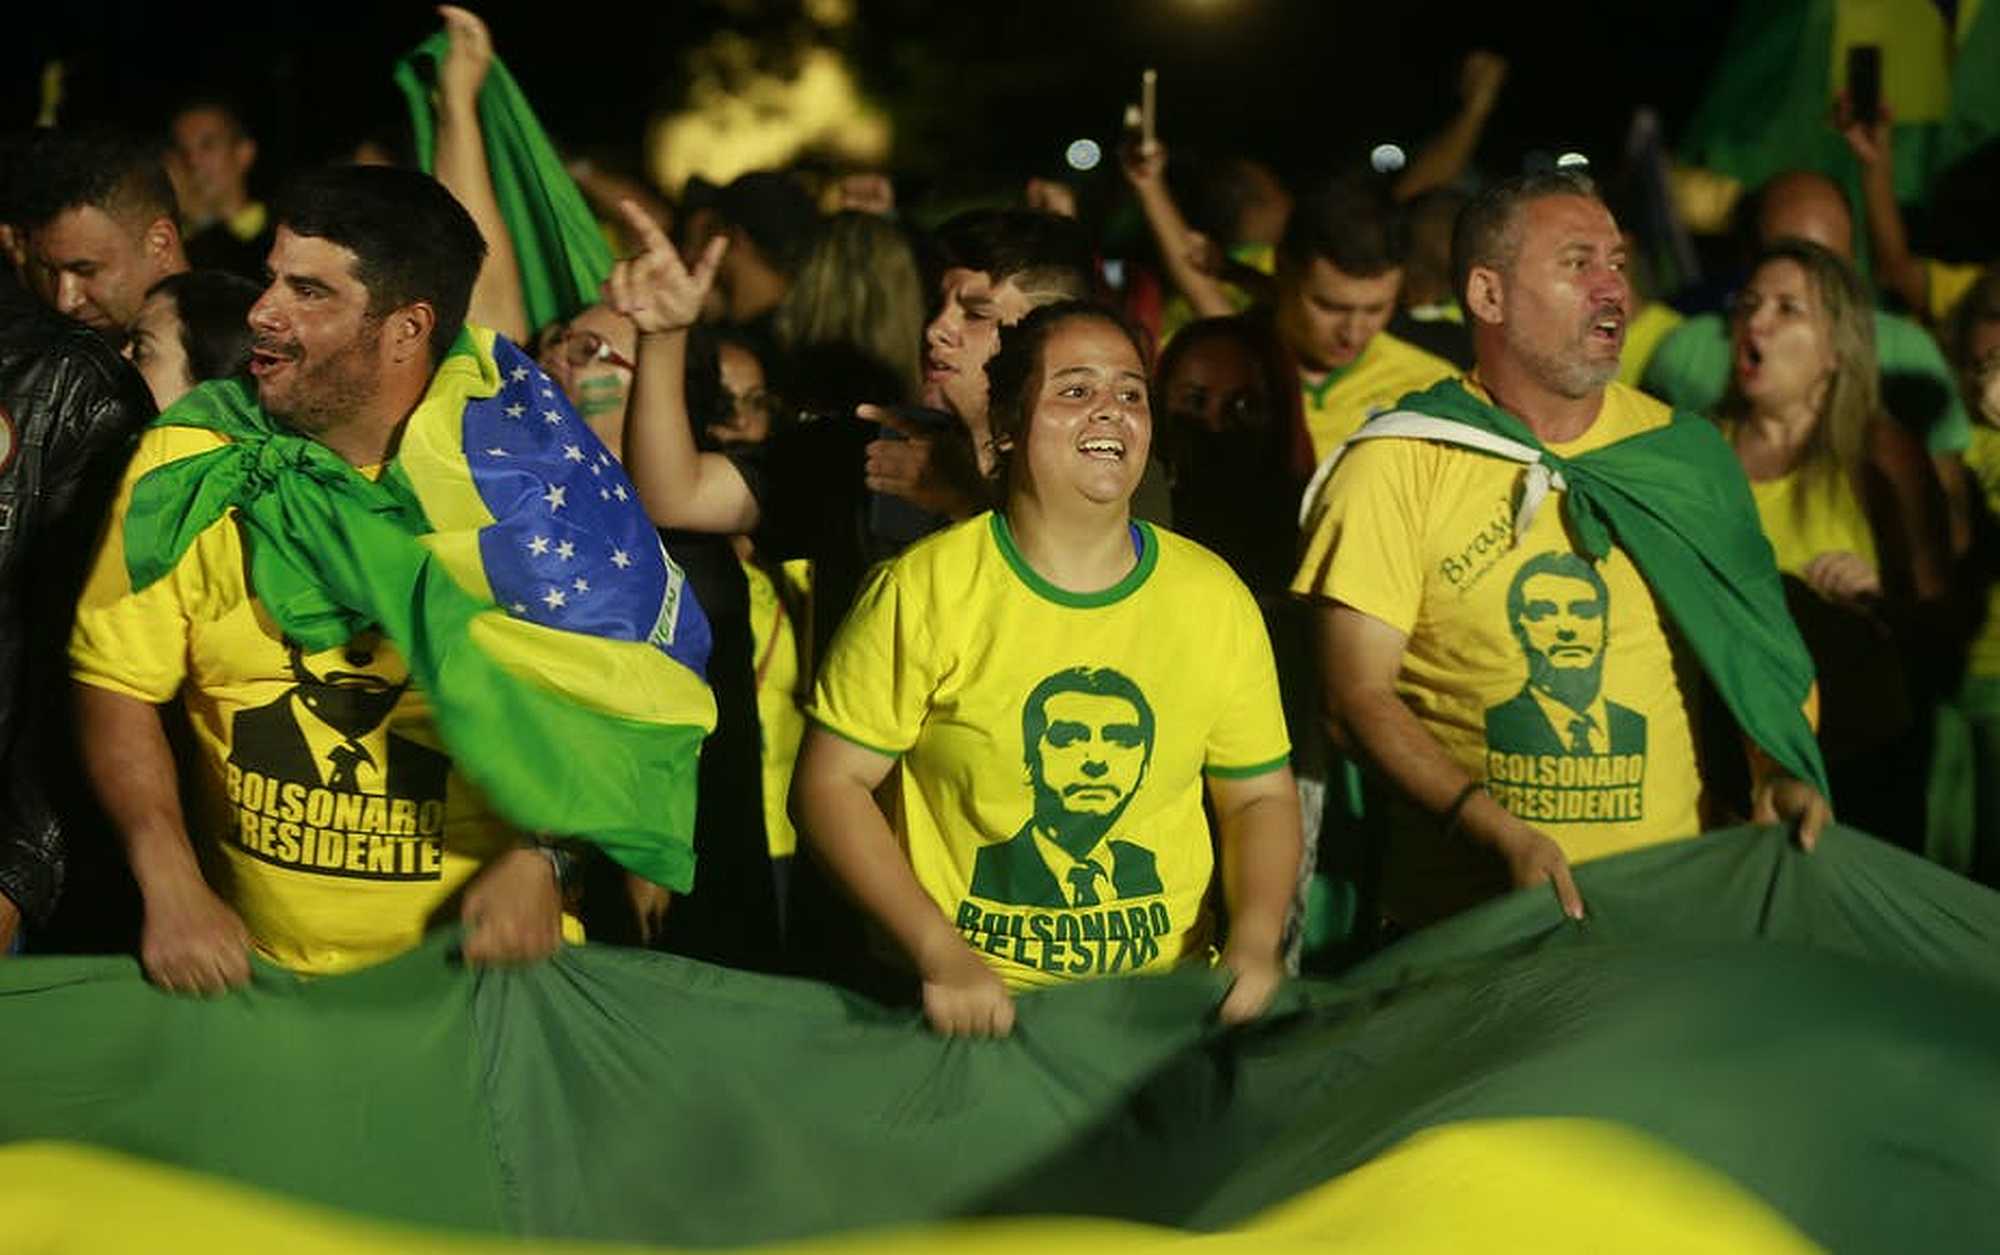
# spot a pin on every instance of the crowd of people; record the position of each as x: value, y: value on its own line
x: 1368, y: 550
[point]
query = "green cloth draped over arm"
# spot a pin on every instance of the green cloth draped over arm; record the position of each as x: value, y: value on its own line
x: 1676, y: 501
x: 563, y: 255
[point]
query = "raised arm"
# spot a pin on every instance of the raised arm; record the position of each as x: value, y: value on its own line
x: 833, y: 804
x: 1261, y: 846
x: 1447, y: 154
x: 1180, y: 246
x: 192, y: 942
x: 680, y: 485
x: 1360, y: 657
x: 1896, y: 268
x: 462, y: 168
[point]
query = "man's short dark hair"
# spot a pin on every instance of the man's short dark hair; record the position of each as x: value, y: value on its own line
x: 1353, y: 223
x: 411, y: 239
x: 1563, y: 565
x: 1092, y: 682
x: 1046, y: 255
x: 213, y: 102
x: 103, y: 170
x: 1488, y: 231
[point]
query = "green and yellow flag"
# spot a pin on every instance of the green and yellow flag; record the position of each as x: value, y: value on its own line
x: 1742, y: 1048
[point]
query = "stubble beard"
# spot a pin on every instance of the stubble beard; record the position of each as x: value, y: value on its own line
x: 330, y: 394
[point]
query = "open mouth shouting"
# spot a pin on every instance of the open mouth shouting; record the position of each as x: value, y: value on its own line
x: 267, y: 359
x: 1608, y: 327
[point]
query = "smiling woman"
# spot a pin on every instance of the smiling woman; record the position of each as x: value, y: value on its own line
x: 1061, y: 834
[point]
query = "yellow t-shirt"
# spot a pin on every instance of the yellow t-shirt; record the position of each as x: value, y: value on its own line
x: 338, y: 821
x: 1550, y: 678
x: 1052, y: 745
x: 1651, y: 325
x: 1948, y: 283
x: 1337, y: 405
x: 1831, y: 520
x: 1982, y: 458
x: 775, y: 640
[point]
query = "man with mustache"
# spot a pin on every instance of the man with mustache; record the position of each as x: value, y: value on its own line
x: 1444, y: 542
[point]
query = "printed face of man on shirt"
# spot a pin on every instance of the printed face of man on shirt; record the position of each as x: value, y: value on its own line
x: 1559, y: 618
x: 1086, y: 762
x: 352, y: 703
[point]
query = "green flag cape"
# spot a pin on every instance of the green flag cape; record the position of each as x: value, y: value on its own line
x: 1675, y: 500
x: 1816, y: 1029
x: 588, y: 727
x: 563, y: 255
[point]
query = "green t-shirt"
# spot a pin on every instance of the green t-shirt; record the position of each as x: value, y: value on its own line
x: 1690, y: 371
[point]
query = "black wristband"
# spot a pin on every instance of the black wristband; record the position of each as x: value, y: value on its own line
x: 561, y: 860
x: 1456, y: 810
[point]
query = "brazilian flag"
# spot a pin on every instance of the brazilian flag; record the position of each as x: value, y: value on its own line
x: 1743, y: 1048
x: 506, y: 554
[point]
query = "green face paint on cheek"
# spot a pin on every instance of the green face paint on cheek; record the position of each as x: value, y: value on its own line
x: 603, y: 394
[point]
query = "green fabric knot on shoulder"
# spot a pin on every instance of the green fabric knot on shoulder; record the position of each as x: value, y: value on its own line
x: 285, y: 487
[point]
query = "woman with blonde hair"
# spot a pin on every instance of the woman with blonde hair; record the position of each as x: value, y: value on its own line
x: 851, y: 326
x: 1854, y: 514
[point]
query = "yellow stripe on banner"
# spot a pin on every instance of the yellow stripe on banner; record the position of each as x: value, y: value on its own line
x: 630, y: 679
x: 1536, y: 1187
x: 432, y: 454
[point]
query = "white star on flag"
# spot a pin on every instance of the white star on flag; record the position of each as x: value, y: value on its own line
x: 573, y: 452
x: 580, y: 584
x: 516, y: 410
x: 552, y: 417
x: 554, y: 496
x: 548, y: 392
x: 604, y: 494
x: 554, y: 598
x: 620, y: 559
x: 519, y: 608
x: 619, y: 492
x: 538, y: 546
x: 565, y: 551
x: 596, y: 469
x: 498, y: 452
x: 519, y: 373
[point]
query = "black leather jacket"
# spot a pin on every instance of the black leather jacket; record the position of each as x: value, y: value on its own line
x: 69, y: 410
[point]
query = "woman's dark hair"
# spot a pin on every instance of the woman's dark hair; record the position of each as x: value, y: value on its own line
x: 214, y: 308
x: 1014, y: 375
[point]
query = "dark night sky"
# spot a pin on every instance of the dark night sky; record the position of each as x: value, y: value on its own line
x: 994, y: 88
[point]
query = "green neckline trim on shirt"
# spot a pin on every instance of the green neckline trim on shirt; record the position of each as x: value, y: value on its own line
x: 1254, y: 769
x: 1318, y: 391
x: 1149, y: 557
x: 854, y: 740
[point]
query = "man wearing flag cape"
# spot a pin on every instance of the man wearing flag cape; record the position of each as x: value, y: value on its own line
x: 1524, y: 577
x: 410, y: 609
